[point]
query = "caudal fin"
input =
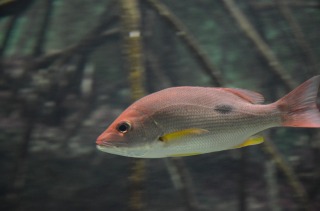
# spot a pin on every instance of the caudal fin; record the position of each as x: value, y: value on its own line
x: 299, y: 107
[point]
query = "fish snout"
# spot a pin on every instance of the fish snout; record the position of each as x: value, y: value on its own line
x: 108, y: 140
x: 104, y: 143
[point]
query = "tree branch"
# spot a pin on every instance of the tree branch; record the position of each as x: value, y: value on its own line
x: 290, y: 3
x: 299, y: 37
x: 40, y: 42
x: 285, y: 78
x: 188, y: 39
x: 9, y: 29
x: 13, y: 195
x: 272, y: 187
x: 132, y: 48
x: 79, y: 48
x: 182, y: 182
x: 93, y: 39
x: 266, y: 52
x: 293, y: 180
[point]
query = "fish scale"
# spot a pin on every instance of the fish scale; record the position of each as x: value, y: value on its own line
x: 222, y: 131
x: 181, y: 121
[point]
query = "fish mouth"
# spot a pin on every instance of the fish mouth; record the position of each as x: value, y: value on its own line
x: 105, y: 144
x: 107, y: 148
x: 109, y: 142
x: 123, y: 151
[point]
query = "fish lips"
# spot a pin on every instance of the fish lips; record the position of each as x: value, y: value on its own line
x: 109, y: 141
x: 111, y: 146
x: 107, y: 144
x: 124, y: 151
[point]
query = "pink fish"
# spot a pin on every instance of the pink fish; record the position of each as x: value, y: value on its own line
x: 182, y: 121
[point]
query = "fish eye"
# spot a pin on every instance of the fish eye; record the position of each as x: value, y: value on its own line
x: 124, y: 127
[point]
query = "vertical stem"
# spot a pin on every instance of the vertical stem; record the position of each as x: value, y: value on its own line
x: 79, y: 73
x: 298, y: 188
x: 30, y: 112
x: 38, y: 49
x: 190, y: 42
x: 299, y: 36
x: 272, y: 187
x: 20, y: 168
x: 136, y: 185
x: 130, y: 17
x: 11, y: 24
x: 243, y: 180
x: 182, y: 182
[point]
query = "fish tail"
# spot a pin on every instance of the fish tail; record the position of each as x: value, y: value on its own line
x: 299, y: 107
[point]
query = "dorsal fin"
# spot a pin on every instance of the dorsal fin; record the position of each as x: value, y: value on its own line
x: 250, y: 96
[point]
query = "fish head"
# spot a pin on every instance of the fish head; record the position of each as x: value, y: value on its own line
x: 132, y: 134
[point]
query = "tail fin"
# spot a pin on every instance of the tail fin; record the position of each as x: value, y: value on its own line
x: 299, y: 107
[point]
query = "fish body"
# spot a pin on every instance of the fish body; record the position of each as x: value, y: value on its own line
x: 182, y: 121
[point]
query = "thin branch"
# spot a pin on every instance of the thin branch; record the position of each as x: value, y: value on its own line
x: 188, y: 39
x: 285, y: 78
x: 177, y: 169
x: 273, y: 5
x: 93, y: 39
x: 293, y: 180
x: 40, y: 42
x: 242, y: 193
x: 20, y: 167
x: 88, y: 102
x: 132, y: 48
x: 272, y: 187
x: 266, y: 52
x: 182, y: 182
x: 72, y: 127
x: 299, y: 37
x: 79, y: 48
x: 9, y: 29
x: 315, y: 189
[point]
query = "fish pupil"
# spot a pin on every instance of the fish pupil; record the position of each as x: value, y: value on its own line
x: 124, y: 127
x: 223, y: 109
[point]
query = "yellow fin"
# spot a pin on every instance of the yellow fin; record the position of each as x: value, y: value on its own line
x: 181, y: 133
x: 251, y: 141
x: 185, y: 154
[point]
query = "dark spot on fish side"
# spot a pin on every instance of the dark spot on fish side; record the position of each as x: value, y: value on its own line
x: 160, y: 139
x: 223, y: 109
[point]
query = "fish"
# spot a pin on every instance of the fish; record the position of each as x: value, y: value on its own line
x: 188, y: 120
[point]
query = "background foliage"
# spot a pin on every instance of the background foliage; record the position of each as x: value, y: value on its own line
x: 64, y: 79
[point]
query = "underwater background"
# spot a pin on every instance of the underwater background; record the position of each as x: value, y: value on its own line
x: 68, y: 68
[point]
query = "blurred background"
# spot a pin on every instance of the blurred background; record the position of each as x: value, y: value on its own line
x: 69, y: 68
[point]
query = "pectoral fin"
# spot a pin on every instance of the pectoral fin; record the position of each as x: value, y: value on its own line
x: 182, y: 133
x: 251, y: 141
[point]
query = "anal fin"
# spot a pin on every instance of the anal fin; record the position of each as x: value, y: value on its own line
x: 251, y: 141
